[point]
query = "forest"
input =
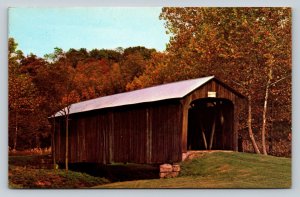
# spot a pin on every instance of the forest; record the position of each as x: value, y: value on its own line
x: 247, y: 48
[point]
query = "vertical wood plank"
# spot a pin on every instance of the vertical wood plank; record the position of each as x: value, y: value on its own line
x: 235, y: 127
x: 184, y: 128
x: 110, y: 136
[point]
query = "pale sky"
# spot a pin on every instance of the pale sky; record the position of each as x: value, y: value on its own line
x: 39, y: 30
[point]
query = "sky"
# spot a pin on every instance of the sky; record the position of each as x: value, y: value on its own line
x: 40, y: 30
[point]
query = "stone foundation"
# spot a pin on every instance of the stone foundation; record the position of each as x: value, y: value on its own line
x: 168, y: 170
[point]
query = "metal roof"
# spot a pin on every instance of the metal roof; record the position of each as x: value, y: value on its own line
x: 156, y: 93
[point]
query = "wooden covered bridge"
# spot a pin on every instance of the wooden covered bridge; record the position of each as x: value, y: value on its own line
x: 153, y: 125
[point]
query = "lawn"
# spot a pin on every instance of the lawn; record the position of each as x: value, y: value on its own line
x: 217, y: 169
x: 223, y: 170
x: 35, y: 171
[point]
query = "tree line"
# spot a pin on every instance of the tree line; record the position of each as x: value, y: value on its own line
x: 247, y: 48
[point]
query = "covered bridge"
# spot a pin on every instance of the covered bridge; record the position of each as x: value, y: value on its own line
x: 152, y: 125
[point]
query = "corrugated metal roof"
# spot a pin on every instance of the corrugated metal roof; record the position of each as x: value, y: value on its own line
x: 156, y: 93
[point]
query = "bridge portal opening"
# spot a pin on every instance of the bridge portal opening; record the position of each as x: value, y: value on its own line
x: 210, y: 124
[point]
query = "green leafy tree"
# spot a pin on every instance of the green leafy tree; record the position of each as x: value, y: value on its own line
x: 112, y: 55
x: 23, y: 97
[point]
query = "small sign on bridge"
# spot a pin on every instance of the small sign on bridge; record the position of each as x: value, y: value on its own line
x: 211, y: 94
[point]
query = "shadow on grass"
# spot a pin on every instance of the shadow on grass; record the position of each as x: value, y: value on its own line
x: 118, y: 171
x: 32, y: 161
x: 114, y: 172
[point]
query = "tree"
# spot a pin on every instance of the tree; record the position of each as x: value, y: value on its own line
x: 243, y: 46
x: 65, y: 87
x: 143, y: 51
x: 23, y: 97
x: 113, y: 55
x: 91, y: 78
x: 156, y: 72
x: 30, y: 64
x: 75, y: 56
x: 134, y: 62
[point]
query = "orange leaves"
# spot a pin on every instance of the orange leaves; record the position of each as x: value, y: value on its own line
x: 22, y: 93
x: 244, y: 46
x: 70, y: 98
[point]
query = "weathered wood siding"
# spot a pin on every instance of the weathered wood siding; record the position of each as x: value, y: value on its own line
x: 145, y: 133
x: 222, y: 91
x: 142, y: 133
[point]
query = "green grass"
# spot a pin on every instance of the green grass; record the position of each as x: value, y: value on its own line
x: 23, y: 177
x: 36, y: 171
x: 208, y: 170
x: 223, y: 170
x: 34, y: 161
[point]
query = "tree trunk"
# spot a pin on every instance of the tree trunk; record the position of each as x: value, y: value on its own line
x: 250, y: 126
x: 222, y: 128
x: 67, y: 143
x: 53, y: 144
x: 263, y: 132
x: 37, y: 141
x: 16, y: 132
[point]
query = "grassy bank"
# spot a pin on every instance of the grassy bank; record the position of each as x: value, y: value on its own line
x: 36, y: 171
x: 23, y: 177
x: 205, y: 170
x: 223, y: 170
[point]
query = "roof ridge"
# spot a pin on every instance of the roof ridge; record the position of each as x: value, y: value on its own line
x: 159, y: 85
x: 177, y: 89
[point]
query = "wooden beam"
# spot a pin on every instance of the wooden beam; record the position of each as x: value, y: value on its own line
x: 148, y: 135
x: 235, y: 126
x: 212, y: 134
x: 185, y: 112
x: 204, y: 137
x: 110, y: 137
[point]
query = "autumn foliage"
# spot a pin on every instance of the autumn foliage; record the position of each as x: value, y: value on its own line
x: 248, y: 48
